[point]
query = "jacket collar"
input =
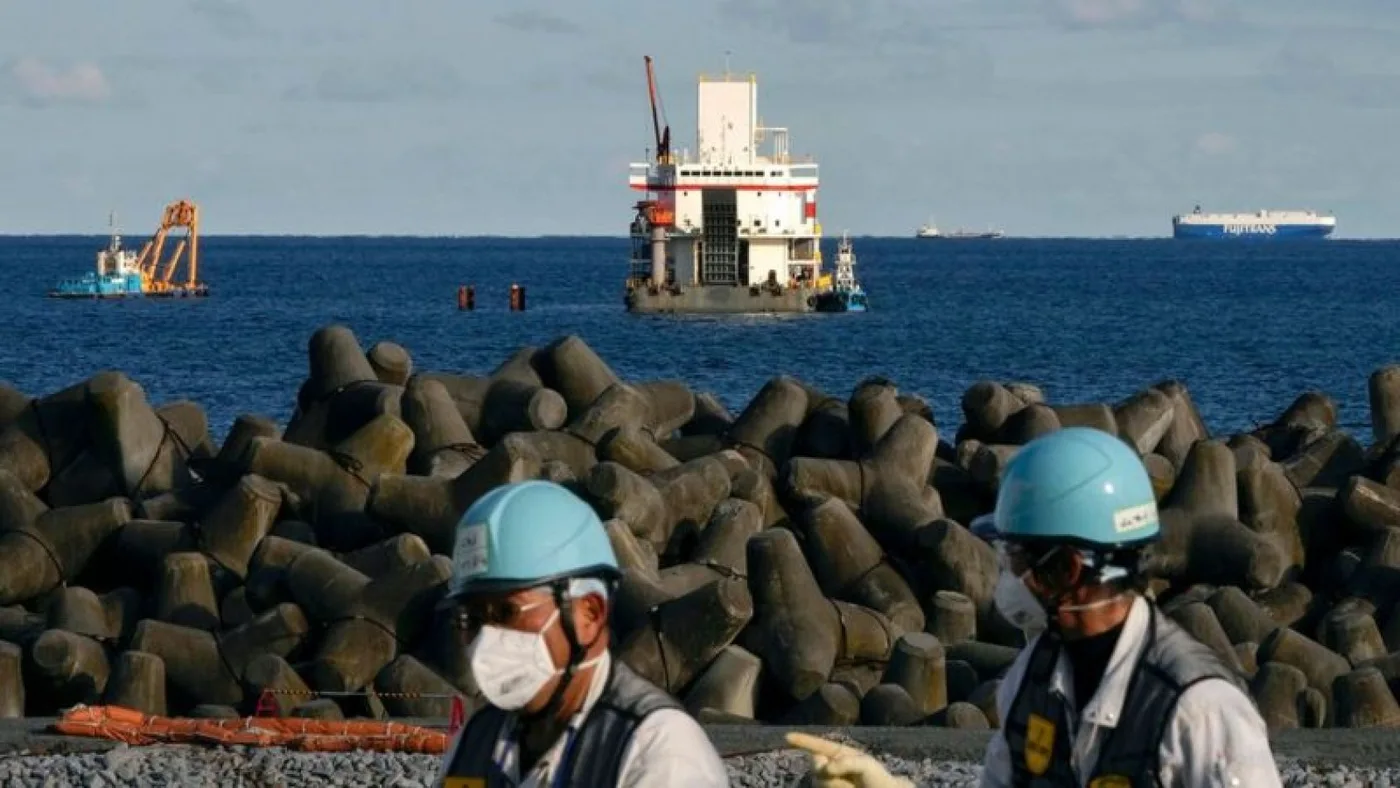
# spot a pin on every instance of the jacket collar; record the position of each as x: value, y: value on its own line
x: 1105, y: 708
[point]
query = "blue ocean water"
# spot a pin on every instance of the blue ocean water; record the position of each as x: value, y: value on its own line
x: 1246, y: 326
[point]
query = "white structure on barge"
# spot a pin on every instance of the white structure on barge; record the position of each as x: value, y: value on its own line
x: 733, y: 228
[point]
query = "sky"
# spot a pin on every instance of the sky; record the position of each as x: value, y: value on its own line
x: 519, y: 117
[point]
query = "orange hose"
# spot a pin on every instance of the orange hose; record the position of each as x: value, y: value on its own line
x: 132, y: 727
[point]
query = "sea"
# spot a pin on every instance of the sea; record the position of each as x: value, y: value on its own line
x: 1246, y: 326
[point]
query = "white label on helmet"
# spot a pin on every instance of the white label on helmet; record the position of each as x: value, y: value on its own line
x: 1134, y: 517
x: 469, y: 556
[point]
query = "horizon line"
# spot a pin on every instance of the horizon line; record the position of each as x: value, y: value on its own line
x: 614, y: 237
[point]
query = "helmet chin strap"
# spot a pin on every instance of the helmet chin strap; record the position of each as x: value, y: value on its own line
x: 576, y: 651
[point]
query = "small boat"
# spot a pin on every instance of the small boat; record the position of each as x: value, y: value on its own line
x: 117, y: 276
x: 846, y: 294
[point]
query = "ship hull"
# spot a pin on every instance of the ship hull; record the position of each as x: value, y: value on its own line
x: 719, y: 300
x: 99, y: 286
x: 1260, y: 231
x: 960, y: 237
x: 841, y: 301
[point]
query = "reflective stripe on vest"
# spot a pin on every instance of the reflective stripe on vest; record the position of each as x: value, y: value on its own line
x: 595, y: 755
x: 1038, y: 736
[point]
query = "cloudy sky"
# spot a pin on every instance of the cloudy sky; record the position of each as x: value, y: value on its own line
x: 1044, y: 117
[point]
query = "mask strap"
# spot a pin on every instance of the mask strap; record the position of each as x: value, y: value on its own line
x: 1113, y: 600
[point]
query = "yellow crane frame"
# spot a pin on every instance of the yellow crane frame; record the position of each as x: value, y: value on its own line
x: 156, y: 278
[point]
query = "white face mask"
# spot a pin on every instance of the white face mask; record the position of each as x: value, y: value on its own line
x: 1018, y: 605
x: 511, y: 667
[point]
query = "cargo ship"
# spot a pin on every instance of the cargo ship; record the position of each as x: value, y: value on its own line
x: 931, y: 230
x: 1260, y: 225
x: 731, y: 228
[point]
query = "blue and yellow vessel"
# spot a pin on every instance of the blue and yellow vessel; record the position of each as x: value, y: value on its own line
x: 122, y: 273
x: 846, y: 294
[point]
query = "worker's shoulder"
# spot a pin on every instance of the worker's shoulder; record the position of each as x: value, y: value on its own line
x: 1187, y: 660
x: 1214, y: 695
x: 670, y: 748
x: 1217, y: 737
x: 1010, y: 679
x: 668, y: 727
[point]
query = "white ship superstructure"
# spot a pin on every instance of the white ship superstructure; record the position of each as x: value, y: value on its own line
x: 740, y: 213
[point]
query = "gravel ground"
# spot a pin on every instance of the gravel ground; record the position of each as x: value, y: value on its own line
x: 755, y: 755
x: 238, y: 766
x: 233, y: 766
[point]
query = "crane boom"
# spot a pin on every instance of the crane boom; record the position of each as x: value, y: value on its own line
x: 157, y: 279
x: 663, y: 139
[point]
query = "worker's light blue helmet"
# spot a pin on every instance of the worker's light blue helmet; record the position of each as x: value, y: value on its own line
x: 1077, y: 486
x: 527, y: 534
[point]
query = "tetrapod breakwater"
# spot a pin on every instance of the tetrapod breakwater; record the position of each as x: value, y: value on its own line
x: 804, y: 561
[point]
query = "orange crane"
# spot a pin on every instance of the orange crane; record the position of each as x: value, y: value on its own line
x: 157, y: 279
x: 663, y: 139
x: 659, y: 212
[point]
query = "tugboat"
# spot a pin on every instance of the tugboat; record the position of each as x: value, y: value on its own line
x: 118, y: 273
x: 846, y: 295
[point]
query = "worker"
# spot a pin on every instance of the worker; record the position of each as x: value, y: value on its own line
x: 532, y: 580
x: 1108, y: 692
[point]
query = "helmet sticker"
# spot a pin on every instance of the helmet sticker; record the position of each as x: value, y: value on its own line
x: 469, y: 555
x: 1134, y: 517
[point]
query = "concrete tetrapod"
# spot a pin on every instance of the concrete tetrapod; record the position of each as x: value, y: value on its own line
x: 12, y: 403
x: 37, y: 556
x: 69, y: 668
x: 844, y: 518
x: 108, y: 618
x: 340, y: 393
x: 685, y: 634
x: 797, y: 630
x: 728, y: 685
x: 391, y: 362
x: 430, y: 506
x: 364, y: 618
x: 11, y: 680
x: 1202, y: 537
x: 149, y: 457
x: 205, y: 668
x: 850, y: 566
x: 390, y: 612
x: 666, y: 510
x: 412, y: 689
x: 272, y: 674
x: 47, y: 436
x: 138, y: 682
x: 443, y: 445
x: 511, y: 399
x: 336, y: 483
x: 187, y: 596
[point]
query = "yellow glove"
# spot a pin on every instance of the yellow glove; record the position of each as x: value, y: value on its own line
x: 838, y: 766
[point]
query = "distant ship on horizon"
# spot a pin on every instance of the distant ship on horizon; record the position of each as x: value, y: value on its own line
x: 1259, y: 225
x: 931, y: 230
